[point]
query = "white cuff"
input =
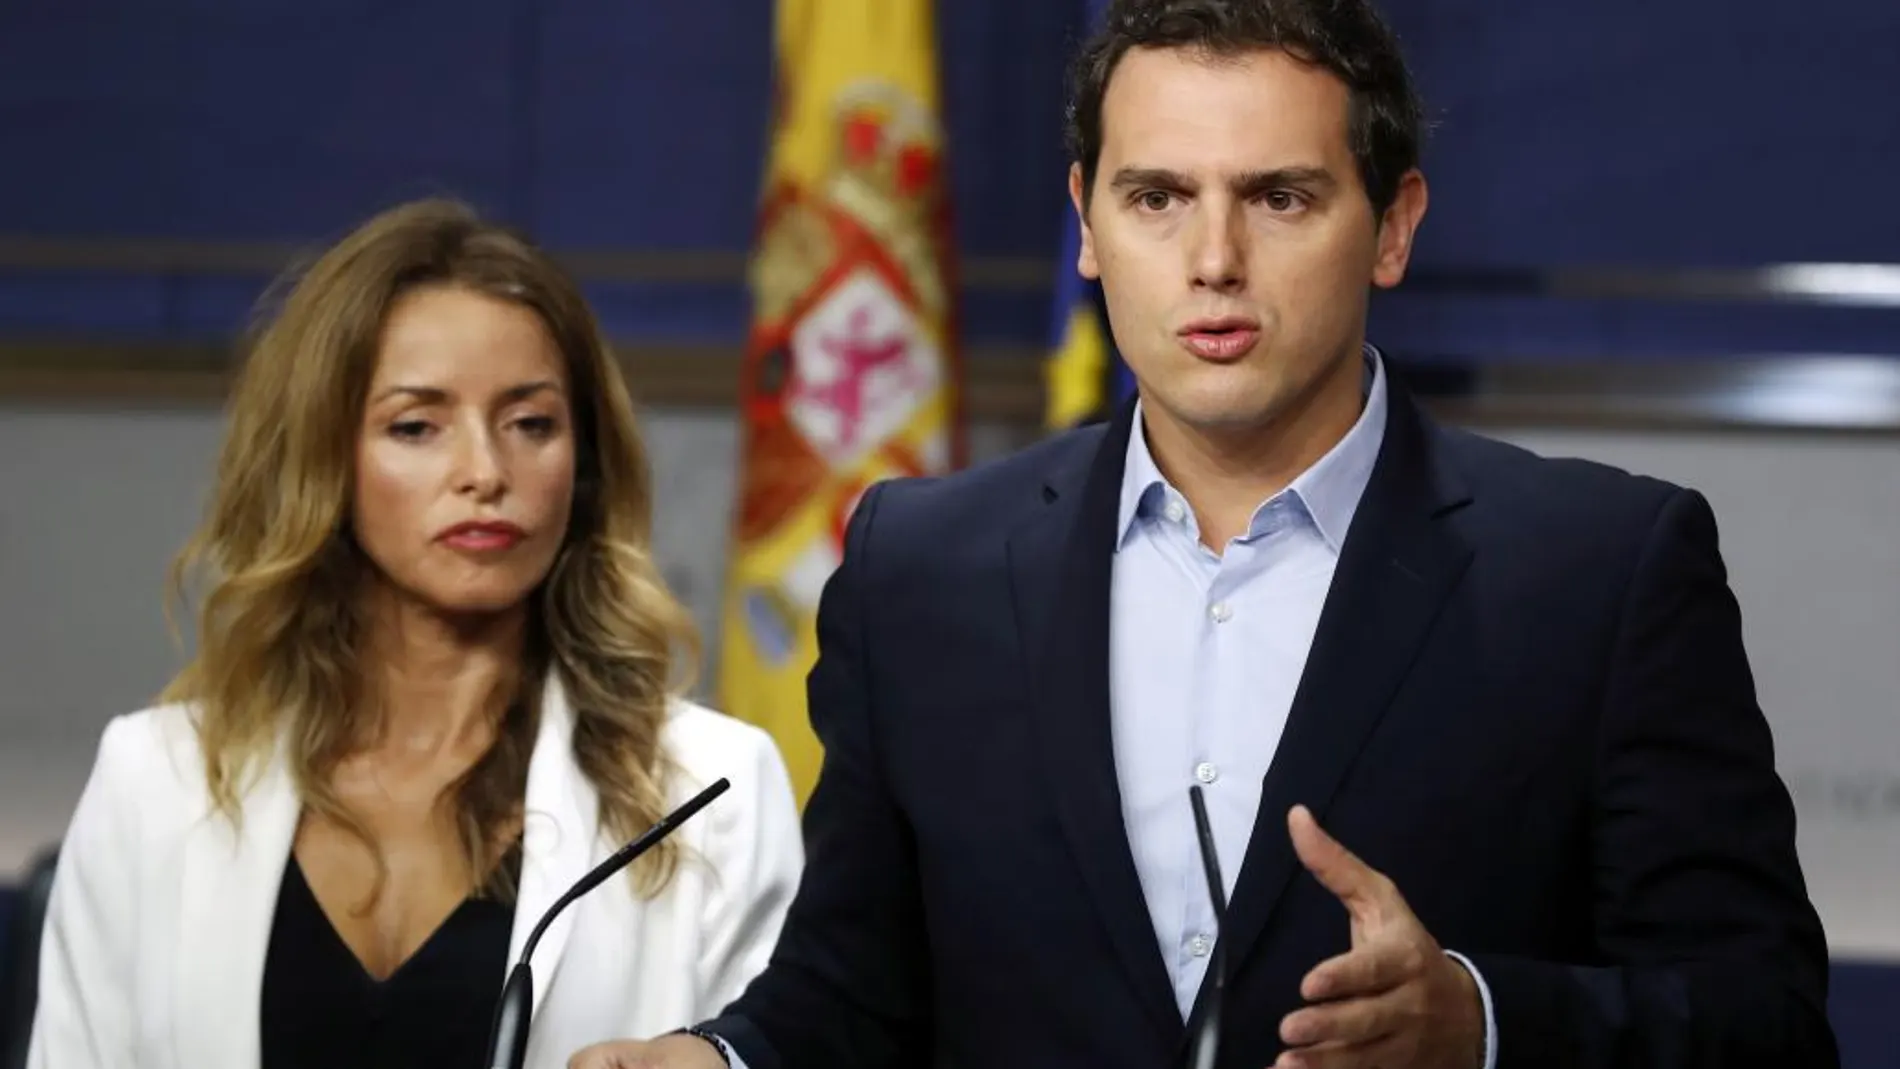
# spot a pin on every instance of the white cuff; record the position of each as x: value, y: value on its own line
x: 1490, y: 1015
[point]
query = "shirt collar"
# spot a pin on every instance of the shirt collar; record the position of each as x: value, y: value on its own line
x: 1327, y: 493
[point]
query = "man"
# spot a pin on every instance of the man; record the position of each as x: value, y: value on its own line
x: 1515, y: 687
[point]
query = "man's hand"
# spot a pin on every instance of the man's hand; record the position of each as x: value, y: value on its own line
x: 666, y: 1052
x: 1395, y: 1000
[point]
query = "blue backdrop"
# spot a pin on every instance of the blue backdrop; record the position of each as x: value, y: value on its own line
x: 1620, y: 133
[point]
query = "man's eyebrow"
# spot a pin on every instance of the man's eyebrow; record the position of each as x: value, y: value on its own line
x: 1246, y: 183
x: 1253, y: 183
x: 1149, y: 178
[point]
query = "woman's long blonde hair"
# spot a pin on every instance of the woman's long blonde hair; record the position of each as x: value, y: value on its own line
x: 280, y: 628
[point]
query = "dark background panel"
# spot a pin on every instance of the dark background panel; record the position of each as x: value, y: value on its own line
x: 1651, y: 134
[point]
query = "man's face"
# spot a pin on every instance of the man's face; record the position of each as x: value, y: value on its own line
x: 1233, y: 239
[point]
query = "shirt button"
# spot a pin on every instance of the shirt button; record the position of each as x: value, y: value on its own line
x: 1200, y: 945
x: 1206, y: 772
x: 1221, y: 612
x: 1175, y: 512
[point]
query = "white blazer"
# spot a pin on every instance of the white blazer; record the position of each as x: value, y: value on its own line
x: 160, y: 915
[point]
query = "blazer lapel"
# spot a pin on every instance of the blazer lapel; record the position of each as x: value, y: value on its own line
x: 228, y: 890
x: 560, y: 837
x: 1394, y: 572
x: 1061, y: 562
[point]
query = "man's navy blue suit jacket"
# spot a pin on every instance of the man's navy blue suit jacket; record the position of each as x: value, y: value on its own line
x: 1527, y: 703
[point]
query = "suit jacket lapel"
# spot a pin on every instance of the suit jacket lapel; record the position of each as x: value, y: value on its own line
x: 1061, y: 563
x: 1395, y: 569
x: 560, y: 837
x: 229, y: 882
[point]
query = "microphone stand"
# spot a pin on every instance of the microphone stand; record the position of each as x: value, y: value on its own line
x: 508, y: 1036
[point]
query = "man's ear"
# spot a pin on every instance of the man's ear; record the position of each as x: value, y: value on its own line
x: 1397, y: 229
x: 1078, y: 198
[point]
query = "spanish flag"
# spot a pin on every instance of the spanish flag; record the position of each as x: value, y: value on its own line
x: 851, y: 372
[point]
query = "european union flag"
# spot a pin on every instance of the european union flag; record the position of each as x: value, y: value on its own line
x: 1084, y: 376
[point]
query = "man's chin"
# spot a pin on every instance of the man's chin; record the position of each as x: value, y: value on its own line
x: 1225, y: 414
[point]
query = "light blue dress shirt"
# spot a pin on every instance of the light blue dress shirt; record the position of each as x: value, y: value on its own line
x: 1205, y: 652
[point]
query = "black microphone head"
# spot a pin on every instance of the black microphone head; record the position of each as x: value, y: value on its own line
x: 1207, y: 1035
x: 1210, y: 857
x: 625, y: 856
x: 508, y: 1036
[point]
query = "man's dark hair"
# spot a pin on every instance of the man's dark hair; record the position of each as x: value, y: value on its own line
x: 1346, y: 37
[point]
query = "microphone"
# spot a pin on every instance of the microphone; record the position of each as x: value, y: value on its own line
x: 1207, y: 1037
x: 508, y: 1036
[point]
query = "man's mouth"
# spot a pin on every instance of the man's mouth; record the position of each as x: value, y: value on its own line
x: 1221, y: 338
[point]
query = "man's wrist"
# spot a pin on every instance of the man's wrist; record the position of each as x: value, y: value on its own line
x: 1487, y: 1053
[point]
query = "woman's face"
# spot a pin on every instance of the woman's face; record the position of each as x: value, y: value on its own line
x: 465, y: 459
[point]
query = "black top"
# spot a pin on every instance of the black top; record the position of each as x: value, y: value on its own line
x: 321, y: 1008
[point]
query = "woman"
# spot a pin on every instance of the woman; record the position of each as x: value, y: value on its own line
x: 431, y: 689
